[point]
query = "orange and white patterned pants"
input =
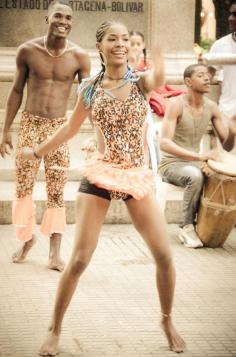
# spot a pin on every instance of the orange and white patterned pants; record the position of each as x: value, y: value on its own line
x: 34, y: 130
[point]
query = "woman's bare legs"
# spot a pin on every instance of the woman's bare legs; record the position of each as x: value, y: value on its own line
x: 90, y: 214
x: 150, y: 223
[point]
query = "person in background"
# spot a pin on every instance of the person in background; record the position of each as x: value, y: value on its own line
x: 186, y: 120
x: 226, y: 76
x: 139, y: 52
x: 139, y: 63
x: 48, y: 66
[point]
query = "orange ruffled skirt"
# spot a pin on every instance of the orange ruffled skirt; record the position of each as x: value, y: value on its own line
x: 118, y: 178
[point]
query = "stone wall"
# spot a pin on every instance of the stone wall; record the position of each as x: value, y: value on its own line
x: 171, y: 22
x: 25, y: 19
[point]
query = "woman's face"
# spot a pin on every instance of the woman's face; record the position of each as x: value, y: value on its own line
x: 137, y: 44
x: 115, y: 45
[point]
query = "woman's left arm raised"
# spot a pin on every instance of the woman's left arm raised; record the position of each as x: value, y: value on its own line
x: 155, y: 77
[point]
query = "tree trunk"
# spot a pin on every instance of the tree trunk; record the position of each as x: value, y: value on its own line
x: 197, y: 32
x: 221, y: 15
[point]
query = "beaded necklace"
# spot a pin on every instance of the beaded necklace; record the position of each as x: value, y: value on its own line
x: 89, y: 88
x: 49, y: 53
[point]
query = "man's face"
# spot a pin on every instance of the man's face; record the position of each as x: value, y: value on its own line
x: 60, y: 20
x: 200, y: 80
x: 232, y: 18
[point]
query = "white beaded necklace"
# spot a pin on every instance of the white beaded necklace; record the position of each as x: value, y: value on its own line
x: 50, y: 54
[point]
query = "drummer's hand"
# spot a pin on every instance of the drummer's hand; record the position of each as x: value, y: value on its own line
x: 206, y: 169
x: 210, y: 155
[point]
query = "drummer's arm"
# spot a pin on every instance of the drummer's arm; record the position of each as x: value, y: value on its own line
x: 226, y: 135
x: 172, y: 114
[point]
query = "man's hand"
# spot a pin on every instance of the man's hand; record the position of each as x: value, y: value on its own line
x: 6, y: 144
x: 211, y: 155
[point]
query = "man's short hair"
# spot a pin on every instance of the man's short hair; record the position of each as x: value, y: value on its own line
x: 188, y: 72
x: 62, y: 2
x: 232, y: 2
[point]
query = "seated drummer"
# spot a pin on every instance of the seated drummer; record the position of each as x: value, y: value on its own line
x: 186, y: 121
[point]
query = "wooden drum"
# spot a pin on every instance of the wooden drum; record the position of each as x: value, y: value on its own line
x: 217, y: 211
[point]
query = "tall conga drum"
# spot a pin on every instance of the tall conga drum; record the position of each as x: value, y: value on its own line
x: 217, y: 211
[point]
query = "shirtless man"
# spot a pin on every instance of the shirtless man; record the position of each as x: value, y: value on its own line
x: 49, y: 66
x: 186, y: 120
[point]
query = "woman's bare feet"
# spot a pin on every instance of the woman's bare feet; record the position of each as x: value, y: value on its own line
x: 56, y: 264
x: 50, y: 346
x: 176, y: 343
x: 20, y: 255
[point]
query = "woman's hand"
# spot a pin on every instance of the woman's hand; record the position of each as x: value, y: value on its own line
x: 27, y: 153
x: 155, y: 77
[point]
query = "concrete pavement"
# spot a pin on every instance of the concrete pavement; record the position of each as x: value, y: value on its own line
x: 115, y: 311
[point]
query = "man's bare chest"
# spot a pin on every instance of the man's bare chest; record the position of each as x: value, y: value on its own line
x: 55, y: 69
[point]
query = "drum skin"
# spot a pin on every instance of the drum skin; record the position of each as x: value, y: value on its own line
x: 217, y: 212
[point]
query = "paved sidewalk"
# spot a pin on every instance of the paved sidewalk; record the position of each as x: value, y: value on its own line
x: 115, y: 311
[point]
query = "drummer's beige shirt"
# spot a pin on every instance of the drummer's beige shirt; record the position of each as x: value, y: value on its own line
x: 188, y: 132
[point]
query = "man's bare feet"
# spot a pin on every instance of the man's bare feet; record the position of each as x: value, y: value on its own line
x: 50, y: 346
x: 20, y: 255
x: 56, y: 264
x: 176, y: 343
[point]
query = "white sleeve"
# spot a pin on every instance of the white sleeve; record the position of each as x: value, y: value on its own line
x: 215, y: 48
x: 220, y: 75
x: 223, y: 58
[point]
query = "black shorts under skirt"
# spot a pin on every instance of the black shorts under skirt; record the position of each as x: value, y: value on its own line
x: 91, y: 189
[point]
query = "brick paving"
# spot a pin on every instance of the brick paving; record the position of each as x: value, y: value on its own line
x: 115, y: 311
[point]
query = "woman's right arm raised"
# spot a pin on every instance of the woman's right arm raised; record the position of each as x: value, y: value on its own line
x: 63, y: 134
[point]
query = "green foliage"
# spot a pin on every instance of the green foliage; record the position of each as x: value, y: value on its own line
x: 206, y: 44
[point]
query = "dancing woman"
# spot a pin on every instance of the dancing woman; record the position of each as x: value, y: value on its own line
x: 115, y: 100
